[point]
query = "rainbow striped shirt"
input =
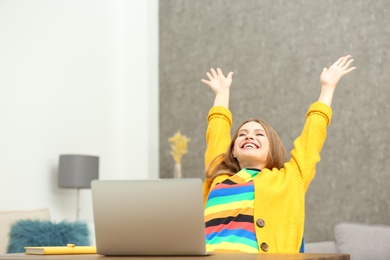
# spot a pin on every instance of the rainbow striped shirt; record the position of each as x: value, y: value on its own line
x: 229, y: 215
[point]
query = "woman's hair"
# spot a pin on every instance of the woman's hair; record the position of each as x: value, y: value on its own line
x: 226, y: 163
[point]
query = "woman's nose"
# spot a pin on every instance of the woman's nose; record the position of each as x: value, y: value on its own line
x: 248, y: 137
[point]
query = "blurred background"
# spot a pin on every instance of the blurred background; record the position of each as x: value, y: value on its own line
x: 277, y: 50
x: 116, y: 79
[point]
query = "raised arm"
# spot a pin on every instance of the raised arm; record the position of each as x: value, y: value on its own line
x: 331, y: 76
x: 219, y: 121
x: 307, y: 147
x: 220, y: 85
x: 219, y: 118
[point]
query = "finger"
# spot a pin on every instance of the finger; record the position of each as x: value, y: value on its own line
x: 213, y: 73
x: 220, y: 73
x: 348, y: 64
x: 209, y: 76
x: 348, y: 70
x: 230, y: 75
x: 344, y: 60
x: 338, y: 61
x: 205, y: 82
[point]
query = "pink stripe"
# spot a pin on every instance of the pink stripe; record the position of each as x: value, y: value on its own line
x: 231, y: 226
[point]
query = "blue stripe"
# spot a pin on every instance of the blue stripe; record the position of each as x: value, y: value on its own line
x: 236, y: 232
x: 239, y: 241
x: 230, y: 191
x: 302, y: 249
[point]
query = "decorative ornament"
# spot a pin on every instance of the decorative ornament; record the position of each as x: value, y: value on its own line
x: 179, y: 148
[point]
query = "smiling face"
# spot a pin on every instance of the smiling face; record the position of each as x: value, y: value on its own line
x: 251, y: 146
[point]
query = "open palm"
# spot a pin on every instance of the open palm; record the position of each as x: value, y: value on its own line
x: 217, y: 81
x: 331, y: 76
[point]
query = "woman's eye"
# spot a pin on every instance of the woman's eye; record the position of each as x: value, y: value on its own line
x: 241, y: 135
x: 260, y: 134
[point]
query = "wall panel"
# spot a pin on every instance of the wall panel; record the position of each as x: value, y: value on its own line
x: 277, y: 50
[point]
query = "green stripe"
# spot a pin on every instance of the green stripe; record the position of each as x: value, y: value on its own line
x: 234, y: 240
x: 252, y: 173
x: 228, y: 199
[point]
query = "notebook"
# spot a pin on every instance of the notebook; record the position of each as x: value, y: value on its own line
x: 149, y: 217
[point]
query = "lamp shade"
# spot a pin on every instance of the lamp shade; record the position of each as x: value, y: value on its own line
x: 77, y: 171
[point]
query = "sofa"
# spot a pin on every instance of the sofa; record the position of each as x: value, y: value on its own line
x: 361, y: 241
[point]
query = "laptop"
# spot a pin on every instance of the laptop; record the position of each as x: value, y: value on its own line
x: 149, y: 217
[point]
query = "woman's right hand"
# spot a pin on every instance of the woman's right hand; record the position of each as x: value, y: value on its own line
x: 220, y: 85
x: 217, y: 81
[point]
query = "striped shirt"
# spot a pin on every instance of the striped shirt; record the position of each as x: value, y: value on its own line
x: 229, y: 215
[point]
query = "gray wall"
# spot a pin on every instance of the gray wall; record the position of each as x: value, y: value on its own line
x: 277, y: 50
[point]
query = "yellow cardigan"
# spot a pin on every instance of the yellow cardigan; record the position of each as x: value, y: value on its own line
x: 279, y: 193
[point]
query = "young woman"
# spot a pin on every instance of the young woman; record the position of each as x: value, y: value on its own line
x: 254, y: 199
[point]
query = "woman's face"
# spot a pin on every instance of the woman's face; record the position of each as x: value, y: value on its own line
x: 251, y: 146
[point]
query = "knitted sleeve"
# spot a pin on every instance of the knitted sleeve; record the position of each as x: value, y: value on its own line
x: 307, y: 147
x: 217, y: 139
x: 218, y: 132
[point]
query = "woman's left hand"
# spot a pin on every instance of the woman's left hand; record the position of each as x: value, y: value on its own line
x: 331, y: 76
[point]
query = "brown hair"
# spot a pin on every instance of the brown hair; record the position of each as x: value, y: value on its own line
x: 226, y: 163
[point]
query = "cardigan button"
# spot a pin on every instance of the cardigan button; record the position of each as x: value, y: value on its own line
x: 264, y: 247
x: 260, y: 222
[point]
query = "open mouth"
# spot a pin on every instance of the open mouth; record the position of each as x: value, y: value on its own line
x: 250, y: 145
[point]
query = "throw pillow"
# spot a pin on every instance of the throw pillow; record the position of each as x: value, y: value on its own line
x: 7, y: 218
x: 363, y: 241
x: 46, y: 233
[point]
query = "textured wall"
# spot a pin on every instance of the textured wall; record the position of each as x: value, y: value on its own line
x: 277, y: 50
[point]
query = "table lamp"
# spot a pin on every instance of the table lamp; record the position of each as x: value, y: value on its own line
x: 77, y: 172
